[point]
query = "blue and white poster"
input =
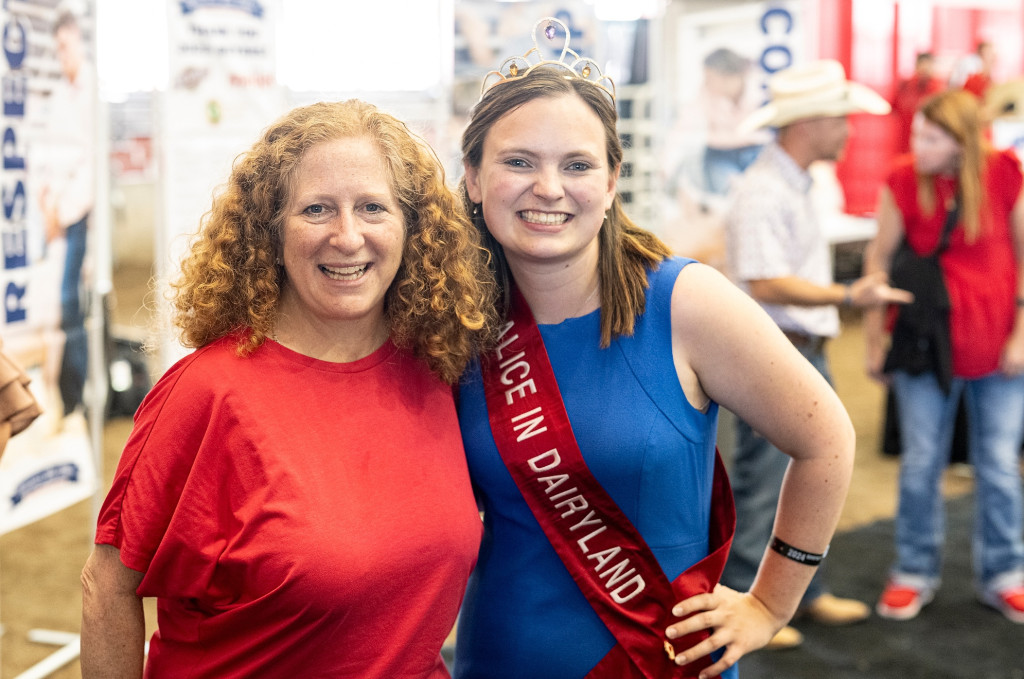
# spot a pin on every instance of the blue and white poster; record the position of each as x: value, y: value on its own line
x: 722, y: 60
x: 49, y: 241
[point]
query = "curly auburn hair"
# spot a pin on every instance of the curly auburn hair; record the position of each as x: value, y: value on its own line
x: 441, y: 302
x: 626, y: 251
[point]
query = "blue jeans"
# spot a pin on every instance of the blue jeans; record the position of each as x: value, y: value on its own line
x: 756, y: 477
x: 720, y: 166
x: 74, y: 364
x: 995, y: 426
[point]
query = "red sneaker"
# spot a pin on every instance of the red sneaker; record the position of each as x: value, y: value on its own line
x: 1009, y: 602
x: 902, y: 602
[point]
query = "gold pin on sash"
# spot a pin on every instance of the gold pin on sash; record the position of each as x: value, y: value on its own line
x: 670, y: 650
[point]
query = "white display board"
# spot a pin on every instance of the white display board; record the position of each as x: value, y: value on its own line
x: 222, y: 93
x: 50, y: 158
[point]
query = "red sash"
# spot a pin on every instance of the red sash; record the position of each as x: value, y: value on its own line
x: 601, y: 549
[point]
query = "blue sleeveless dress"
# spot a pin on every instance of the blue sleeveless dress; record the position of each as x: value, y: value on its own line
x: 654, y: 454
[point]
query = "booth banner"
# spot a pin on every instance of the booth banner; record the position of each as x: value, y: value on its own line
x: 48, y: 242
x: 223, y: 92
x: 723, y: 59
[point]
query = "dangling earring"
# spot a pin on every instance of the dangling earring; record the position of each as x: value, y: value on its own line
x: 476, y: 209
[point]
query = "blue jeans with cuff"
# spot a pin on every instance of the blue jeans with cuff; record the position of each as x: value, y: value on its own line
x: 995, y: 425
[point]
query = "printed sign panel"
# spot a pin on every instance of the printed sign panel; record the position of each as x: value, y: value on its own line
x: 724, y: 57
x: 49, y: 241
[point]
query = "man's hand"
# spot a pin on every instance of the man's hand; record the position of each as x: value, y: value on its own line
x: 874, y: 290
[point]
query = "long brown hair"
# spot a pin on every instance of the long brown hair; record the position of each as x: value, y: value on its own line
x: 625, y: 250
x: 441, y: 302
x: 957, y: 112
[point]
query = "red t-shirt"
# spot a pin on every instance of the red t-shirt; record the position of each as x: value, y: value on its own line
x: 910, y: 95
x: 977, y: 84
x: 981, y: 277
x: 294, y: 517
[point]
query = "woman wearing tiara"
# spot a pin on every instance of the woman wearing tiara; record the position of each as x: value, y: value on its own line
x: 590, y: 430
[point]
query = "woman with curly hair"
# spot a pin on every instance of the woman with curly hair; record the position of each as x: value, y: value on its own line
x: 294, y: 492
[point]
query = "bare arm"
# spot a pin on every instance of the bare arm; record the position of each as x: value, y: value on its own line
x: 868, y: 291
x: 726, y: 347
x: 113, y: 622
x: 796, y: 291
x: 878, y: 261
x: 1011, y: 361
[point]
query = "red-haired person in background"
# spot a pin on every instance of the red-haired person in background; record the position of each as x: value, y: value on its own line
x: 980, y: 357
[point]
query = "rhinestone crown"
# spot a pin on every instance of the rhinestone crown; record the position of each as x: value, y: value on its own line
x: 551, y: 32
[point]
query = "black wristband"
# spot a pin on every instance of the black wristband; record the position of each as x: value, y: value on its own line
x: 798, y: 555
x: 1020, y: 302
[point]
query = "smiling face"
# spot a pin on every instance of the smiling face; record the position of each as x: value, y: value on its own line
x: 543, y: 180
x: 342, y: 239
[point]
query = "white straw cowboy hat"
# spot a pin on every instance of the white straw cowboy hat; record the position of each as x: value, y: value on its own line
x: 813, y: 90
x: 1006, y: 100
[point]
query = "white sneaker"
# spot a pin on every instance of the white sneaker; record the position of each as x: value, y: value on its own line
x: 902, y: 602
x: 1009, y: 602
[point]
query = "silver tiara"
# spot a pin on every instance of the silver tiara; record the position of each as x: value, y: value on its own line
x: 580, y: 67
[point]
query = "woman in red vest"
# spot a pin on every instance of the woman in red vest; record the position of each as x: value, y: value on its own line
x: 961, y: 200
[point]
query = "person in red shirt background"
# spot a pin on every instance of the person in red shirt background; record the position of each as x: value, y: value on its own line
x: 983, y: 271
x: 910, y: 93
x: 978, y: 82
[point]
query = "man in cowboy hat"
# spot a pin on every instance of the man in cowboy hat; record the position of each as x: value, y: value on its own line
x: 778, y: 252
